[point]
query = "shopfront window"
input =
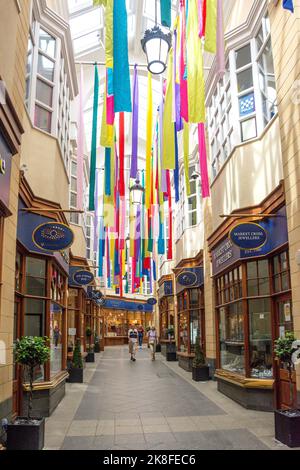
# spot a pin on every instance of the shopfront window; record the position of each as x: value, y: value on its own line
x: 190, y: 319
x: 56, y: 326
x: 183, y: 332
x: 261, y: 356
x: 232, y: 347
x: 258, y: 280
x: 281, y: 275
x: 34, y: 317
x: 19, y: 273
x: 35, y: 277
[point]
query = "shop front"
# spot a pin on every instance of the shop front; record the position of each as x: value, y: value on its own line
x: 41, y: 310
x: 167, y: 325
x: 120, y: 314
x: 190, y: 313
x: 253, y: 308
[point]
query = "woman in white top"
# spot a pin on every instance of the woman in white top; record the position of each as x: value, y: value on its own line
x: 152, y: 340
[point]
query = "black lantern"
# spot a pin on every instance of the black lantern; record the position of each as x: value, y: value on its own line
x: 137, y: 192
x: 156, y: 45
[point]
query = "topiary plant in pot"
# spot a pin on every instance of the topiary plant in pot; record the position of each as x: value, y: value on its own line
x: 287, y: 422
x: 97, y: 343
x: 76, y: 369
x: 200, y: 369
x: 90, y: 349
x: 27, y: 433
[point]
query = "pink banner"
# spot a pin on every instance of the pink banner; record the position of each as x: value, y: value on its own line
x: 122, y: 222
x: 203, y: 161
x: 183, y: 83
x: 110, y: 114
x: 80, y: 148
x: 221, y: 67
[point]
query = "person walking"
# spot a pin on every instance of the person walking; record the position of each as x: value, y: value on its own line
x: 141, y: 336
x: 132, y: 342
x: 152, y: 340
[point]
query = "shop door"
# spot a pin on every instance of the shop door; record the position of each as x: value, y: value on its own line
x: 17, y: 383
x: 286, y: 394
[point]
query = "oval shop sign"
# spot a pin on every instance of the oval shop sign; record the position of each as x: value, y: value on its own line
x: 83, y: 278
x: 248, y: 236
x: 187, y: 278
x: 152, y: 301
x: 53, y: 236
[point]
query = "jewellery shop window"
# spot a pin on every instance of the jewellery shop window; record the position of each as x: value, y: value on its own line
x: 191, y: 311
x: 56, y: 320
x: 73, y: 317
x: 167, y: 318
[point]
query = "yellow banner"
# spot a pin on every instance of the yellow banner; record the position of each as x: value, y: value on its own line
x: 186, y: 151
x: 149, y: 142
x: 168, y: 157
x: 195, y: 76
x: 210, y: 44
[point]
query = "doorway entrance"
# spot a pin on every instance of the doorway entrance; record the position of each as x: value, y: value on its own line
x: 286, y: 393
x: 17, y: 373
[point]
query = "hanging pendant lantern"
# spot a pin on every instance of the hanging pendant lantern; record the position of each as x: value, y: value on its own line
x: 156, y: 44
x: 137, y: 192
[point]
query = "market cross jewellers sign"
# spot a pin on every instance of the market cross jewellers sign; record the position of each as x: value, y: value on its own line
x: 248, y: 236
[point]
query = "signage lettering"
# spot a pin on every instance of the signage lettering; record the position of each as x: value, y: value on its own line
x: 248, y: 236
x: 2, y: 166
x: 83, y: 278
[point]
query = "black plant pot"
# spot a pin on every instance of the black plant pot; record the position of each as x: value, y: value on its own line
x: 287, y: 427
x: 75, y: 375
x: 171, y: 355
x: 97, y: 348
x: 200, y: 374
x: 158, y: 348
x: 24, y: 435
x: 90, y: 357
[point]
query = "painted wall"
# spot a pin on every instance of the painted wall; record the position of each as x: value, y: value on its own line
x: 190, y: 243
x: 14, y: 25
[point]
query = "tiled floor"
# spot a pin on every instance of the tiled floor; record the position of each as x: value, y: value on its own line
x: 152, y: 405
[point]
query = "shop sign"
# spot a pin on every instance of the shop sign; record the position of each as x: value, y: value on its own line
x: 83, y: 278
x: 53, y: 236
x: 227, y: 253
x: 119, y: 304
x: 166, y: 289
x: 249, y: 236
x: 152, y: 301
x: 191, y: 277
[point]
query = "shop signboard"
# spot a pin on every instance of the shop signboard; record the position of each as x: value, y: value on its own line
x: 5, y: 170
x: 53, y: 236
x: 27, y: 223
x: 227, y: 253
x: 119, y: 304
x: 83, y: 277
x: 166, y: 289
x: 189, y: 278
x: 152, y: 301
x: 249, y: 236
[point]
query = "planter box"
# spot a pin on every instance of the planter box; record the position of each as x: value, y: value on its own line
x: 90, y: 357
x: 158, y: 348
x: 287, y: 428
x: 97, y: 348
x: 75, y: 376
x: 25, y: 436
x: 200, y: 374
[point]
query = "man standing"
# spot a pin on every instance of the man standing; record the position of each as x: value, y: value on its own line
x: 141, y: 336
x: 132, y: 342
x: 152, y: 340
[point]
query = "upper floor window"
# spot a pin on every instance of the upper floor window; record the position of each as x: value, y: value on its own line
x: 47, y: 93
x: 244, y: 101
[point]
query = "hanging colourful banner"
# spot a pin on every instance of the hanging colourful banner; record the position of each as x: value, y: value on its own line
x: 122, y: 94
x: 135, y: 125
x: 94, y: 142
x: 149, y: 141
x: 203, y: 161
x: 210, y: 44
x: 168, y: 160
x: 165, y: 12
x: 80, y: 145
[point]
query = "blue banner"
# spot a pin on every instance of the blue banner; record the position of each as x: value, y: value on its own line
x: 118, y: 304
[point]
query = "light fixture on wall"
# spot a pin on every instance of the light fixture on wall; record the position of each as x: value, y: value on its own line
x: 156, y: 45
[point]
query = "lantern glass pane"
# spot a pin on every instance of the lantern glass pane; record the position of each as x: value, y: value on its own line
x: 153, y: 49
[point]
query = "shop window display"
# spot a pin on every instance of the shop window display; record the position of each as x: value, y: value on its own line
x: 56, y: 315
x: 166, y: 317
x: 232, y: 347
x: 35, y: 277
x: 260, y: 338
x: 190, y: 319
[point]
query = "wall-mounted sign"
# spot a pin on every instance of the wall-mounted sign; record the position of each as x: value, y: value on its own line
x: 119, y: 304
x: 226, y: 253
x: 53, y: 236
x: 166, y: 289
x: 83, y: 278
x: 101, y: 301
x: 152, y: 301
x: 190, y: 277
x: 187, y: 278
x: 140, y: 307
x: 248, y: 236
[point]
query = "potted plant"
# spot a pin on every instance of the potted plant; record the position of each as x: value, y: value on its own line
x: 90, y: 349
x: 287, y: 422
x: 27, y: 433
x: 170, y: 333
x: 97, y: 343
x: 76, y: 367
x: 200, y: 370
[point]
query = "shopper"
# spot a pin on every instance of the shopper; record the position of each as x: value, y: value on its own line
x: 141, y: 336
x: 152, y: 340
x: 132, y: 341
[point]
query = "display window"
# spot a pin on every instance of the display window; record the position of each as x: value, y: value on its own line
x: 117, y: 323
x: 167, y: 318
x: 190, y: 319
x: 250, y: 317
